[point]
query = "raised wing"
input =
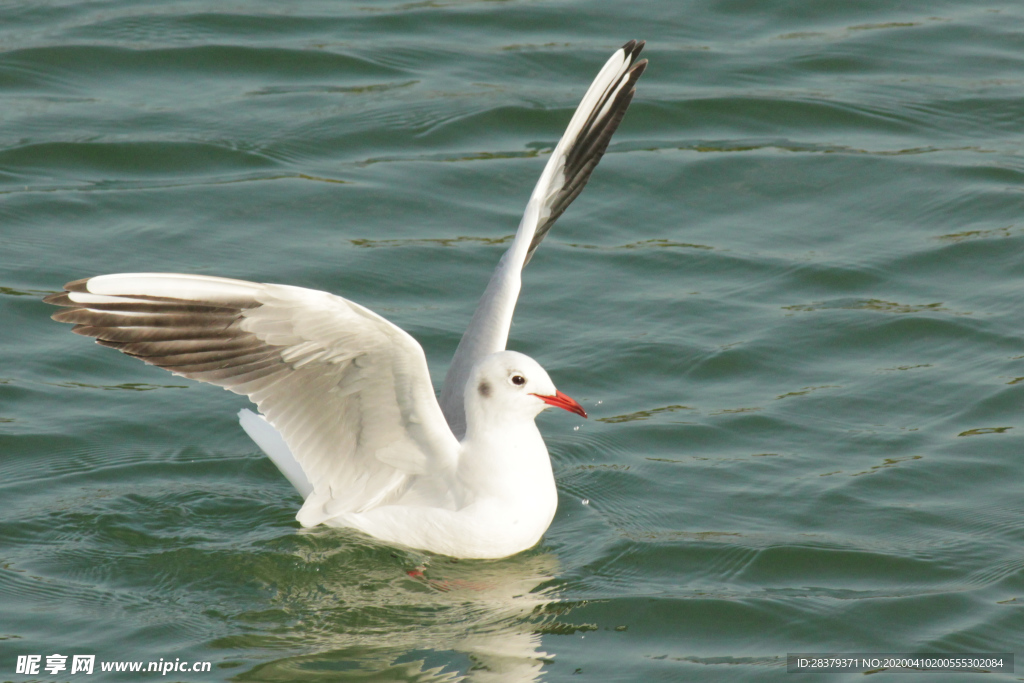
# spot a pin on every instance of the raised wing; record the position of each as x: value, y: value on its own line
x: 567, y: 171
x: 349, y: 392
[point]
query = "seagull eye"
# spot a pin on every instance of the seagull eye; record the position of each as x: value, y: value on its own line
x: 518, y: 380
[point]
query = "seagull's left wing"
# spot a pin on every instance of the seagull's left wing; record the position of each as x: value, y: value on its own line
x: 349, y: 391
x: 567, y: 171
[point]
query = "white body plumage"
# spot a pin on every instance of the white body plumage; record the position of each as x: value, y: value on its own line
x: 349, y: 414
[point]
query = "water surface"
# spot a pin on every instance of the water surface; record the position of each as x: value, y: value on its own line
x: 789, y: 299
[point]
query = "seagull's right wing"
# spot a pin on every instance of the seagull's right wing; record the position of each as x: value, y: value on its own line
x: 567, y: 171
x: 349, y: 392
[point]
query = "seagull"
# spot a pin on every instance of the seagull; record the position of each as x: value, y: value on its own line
x: 347, y: 409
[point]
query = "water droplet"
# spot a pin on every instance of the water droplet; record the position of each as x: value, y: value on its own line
x: 586, y: 501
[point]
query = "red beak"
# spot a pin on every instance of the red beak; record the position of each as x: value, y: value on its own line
x: 560, y: 400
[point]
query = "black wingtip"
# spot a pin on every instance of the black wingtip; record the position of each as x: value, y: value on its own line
x: 77, y: 285
x: 583, y: 155
x: 633, y: 48
x: 58, y: 299
x: 62, y: 298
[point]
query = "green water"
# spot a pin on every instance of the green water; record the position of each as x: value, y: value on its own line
x: 790, y: 299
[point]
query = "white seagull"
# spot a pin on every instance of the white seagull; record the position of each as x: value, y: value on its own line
x: 349, y: 414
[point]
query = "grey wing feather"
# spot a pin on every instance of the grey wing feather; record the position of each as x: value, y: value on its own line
x: 348, y: 391
x: 565, y: 174
x: 592, y: 141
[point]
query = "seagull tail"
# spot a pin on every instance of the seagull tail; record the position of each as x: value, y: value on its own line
x: 272, y: 443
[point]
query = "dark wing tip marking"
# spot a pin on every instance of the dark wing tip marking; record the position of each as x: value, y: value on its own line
x: 58, y: 299
x: 633, y: 48
x: 197, y: 339
x: 592, y: 141
x: 77, y: 285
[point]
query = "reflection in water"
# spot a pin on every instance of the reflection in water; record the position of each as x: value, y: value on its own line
x: 441, y: 621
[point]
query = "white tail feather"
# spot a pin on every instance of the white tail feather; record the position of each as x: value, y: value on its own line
x: 272, y: 443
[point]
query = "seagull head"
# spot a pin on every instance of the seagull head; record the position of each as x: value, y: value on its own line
x: 512, y: 385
